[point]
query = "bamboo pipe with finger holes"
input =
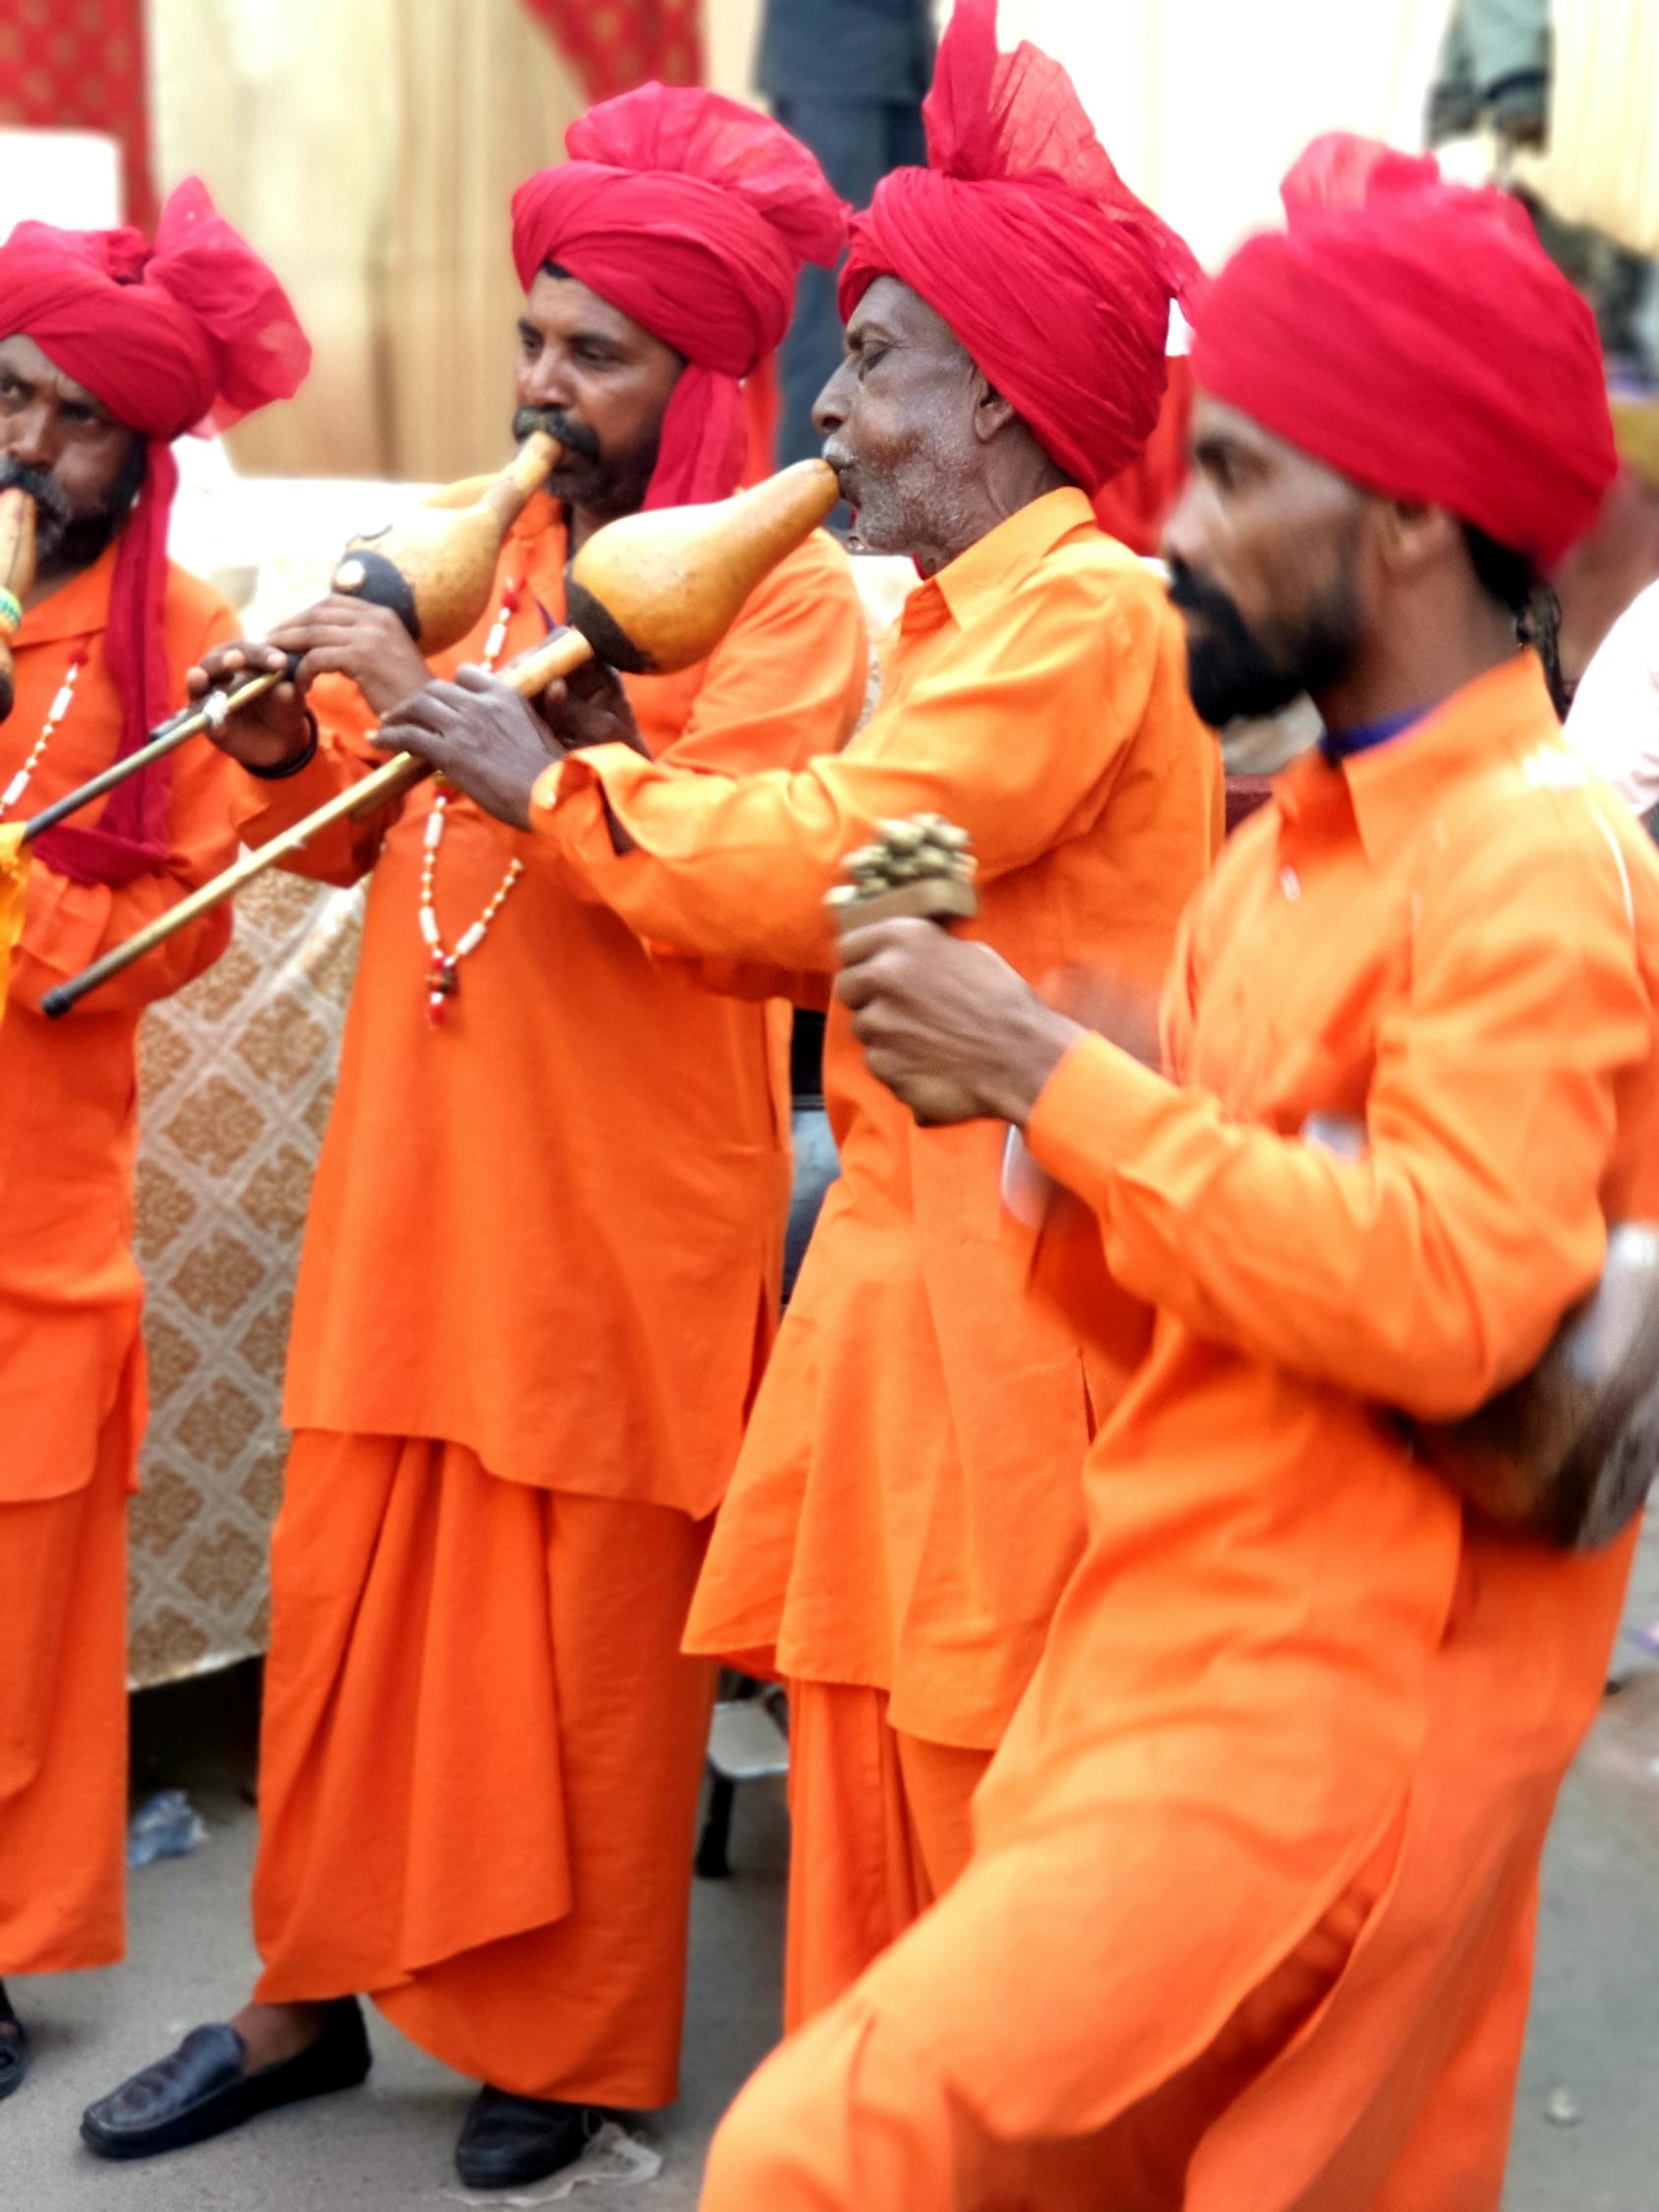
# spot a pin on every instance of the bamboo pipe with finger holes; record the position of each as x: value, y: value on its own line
x: 434, y: 569
x: 17, y: 574
x: 649, y: 593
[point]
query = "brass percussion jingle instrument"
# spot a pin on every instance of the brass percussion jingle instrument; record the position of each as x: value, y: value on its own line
x: 922, y: 868
x: 434, y: 569
x: 649, y: 593
x: 17, y: 574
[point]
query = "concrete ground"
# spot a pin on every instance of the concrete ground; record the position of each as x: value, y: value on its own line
x: 1587, y: 2117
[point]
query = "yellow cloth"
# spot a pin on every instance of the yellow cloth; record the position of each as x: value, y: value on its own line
x: 14, y: 886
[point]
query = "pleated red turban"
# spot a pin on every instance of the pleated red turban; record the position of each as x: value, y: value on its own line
x: 1415, y: 335
x: 1021, y: 234
x: 193, y: 331
x: 691, y: 216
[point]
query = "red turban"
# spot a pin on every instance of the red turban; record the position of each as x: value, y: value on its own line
x: 168, y: 337
x: 1413, y: 335
x: 692, y: 215
x: 1024, y: 237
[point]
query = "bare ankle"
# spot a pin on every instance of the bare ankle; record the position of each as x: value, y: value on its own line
x: 273, y: 2034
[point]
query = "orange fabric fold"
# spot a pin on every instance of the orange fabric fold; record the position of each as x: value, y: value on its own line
x: 1286, y: 1651
x: 582, y: 1176
x: 495, y: 1843
x: 907, y: 1506
x: 881, y: 1826
x: 69, y: 1289
x: 63, y: 1718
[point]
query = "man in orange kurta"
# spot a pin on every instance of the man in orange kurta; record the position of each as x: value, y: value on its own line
x: 1248, y: 1921
x: 906, y: 1505
x: 542, y: 1261
x: 103, y: 359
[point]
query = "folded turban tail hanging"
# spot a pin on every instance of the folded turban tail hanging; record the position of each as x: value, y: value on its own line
x: 433, y: 570
x: 650, y: 593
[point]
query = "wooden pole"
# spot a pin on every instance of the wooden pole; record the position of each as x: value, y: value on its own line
x: 560, y: 654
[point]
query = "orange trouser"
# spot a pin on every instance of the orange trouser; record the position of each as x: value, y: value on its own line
x: 880, y: 1827
x: 63, y: 1720
x: 852, y: 2115
x: 480, y: 1766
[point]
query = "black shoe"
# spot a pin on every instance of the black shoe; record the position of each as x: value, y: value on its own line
x: 511, y: 2140
x: 14, y: 2048
x: 201, y: 2089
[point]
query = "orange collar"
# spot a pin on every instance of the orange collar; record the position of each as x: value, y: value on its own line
x: 1503, y: 717
x: 999, y: 562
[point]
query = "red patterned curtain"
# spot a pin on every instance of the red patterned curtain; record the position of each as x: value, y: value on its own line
x: 79, y: 65
x: 616, y: 45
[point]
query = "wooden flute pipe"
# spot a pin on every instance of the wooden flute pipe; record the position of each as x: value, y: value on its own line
x: 434, y: 569
x: 649, y: 593
x: 17, y: 574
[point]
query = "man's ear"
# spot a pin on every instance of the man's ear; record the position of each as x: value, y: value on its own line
x: 1412, y: 538
x: 991, y: 412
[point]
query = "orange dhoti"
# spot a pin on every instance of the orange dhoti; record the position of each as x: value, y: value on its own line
x: 1063, y: 2032
x: 1248, y: 1920
x: 63, y: 1718
x: 480, y: 1766
x: 856, y: 2113
x: 881, y: 1827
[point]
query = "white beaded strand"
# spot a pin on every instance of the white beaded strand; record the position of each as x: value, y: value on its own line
x: 63, y: 699
x: 443, y: 979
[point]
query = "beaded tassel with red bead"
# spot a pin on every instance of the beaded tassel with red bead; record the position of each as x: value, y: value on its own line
x: 444, y: 969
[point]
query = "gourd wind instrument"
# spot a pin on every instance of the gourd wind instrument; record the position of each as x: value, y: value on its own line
x: 1569, y: 1452
x: 650, y: 593
x: 433, y: 569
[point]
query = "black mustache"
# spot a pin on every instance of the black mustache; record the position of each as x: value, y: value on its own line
x: 41, y: 486
x: 1192, y: 595
x: 576, y: 437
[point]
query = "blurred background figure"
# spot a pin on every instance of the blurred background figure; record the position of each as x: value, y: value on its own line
x: 1610, y: 617
x: 848, y: 78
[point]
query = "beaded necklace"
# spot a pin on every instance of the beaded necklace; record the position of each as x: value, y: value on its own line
x: 443, y: 965
x: 62, y: 701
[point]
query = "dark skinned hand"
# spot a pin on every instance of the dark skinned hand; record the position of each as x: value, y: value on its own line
x: 589, y: 707
x: 343, y: 635
x: 480, y: 734
x: 271, y: 730
x: 948, y: 1025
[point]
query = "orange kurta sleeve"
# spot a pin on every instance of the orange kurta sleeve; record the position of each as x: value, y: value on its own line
x: 738, y: 867
x: 266, y: 807
x: 1431, y: 1271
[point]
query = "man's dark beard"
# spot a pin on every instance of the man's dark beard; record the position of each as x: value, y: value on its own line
x: 576, y: 437
x: 1231, y: 673
x: 63, y: 538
